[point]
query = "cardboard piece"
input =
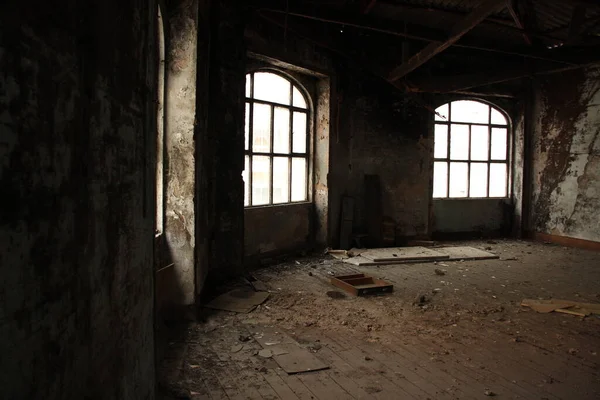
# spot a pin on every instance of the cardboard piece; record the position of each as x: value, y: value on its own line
x: 465, y: 253
x: 241, y: 300
x: 562, y: 306
x: 288, y: 353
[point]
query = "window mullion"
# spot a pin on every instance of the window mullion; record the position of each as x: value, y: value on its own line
x: 250, y: 142
x: 271, y: 148
x: 291, y: 143
x: 489, y: 157
x: 469, y: 164
x: 448, y: 145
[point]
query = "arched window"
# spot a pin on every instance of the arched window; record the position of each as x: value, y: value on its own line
x: 277, y: 141
x: 471, y: 151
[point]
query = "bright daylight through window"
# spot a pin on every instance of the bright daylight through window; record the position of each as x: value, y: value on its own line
x: 277, y: 141
x: 471, y: 151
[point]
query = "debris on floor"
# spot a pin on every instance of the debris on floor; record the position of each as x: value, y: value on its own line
x: 286, y: 352
x: 562, y: 306
x: 417, y: 254
x: 361, y: 284
x: 241, y: 300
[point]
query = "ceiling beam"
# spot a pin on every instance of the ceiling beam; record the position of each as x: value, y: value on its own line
x: 382, y: 26
x: 460, y: 29
x: 398, y: 12
x: 459, y: 83
x: 367, y: 5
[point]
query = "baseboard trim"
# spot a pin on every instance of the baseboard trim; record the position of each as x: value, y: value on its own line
x: 567, y: 241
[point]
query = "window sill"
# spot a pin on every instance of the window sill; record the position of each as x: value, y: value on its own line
x: 298, y: 203
x: 469, y: 198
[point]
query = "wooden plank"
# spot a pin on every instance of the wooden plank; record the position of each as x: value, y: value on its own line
x: 466, y: 253
x: 347, y: 222
x: 324, y: 387
x: 567, y: 241
x: 373, y: 210
x: 458, y: 31
x: 403, y: 254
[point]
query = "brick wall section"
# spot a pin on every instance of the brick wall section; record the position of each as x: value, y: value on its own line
x: 76, y: 217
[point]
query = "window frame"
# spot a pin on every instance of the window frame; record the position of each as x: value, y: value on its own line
x: 271, y: 154
x: 507, y: 162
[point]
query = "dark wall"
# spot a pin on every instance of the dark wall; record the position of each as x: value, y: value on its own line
x: 566, y: 159
x: 221, y: 151
x: 76, y: 214
x: 380, y: 132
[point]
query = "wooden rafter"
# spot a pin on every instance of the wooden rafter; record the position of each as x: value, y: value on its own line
x: 515, y: 16
x: 460, y: 29
x: 577, y: 20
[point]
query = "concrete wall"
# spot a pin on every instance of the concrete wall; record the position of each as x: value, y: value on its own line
x: 77, y: 127
x: 566, y: 155
x: 272, y: 230
x: 476, y: 216
x: 380, y: 132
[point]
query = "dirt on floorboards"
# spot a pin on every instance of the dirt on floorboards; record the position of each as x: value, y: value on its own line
x: 460, y: 335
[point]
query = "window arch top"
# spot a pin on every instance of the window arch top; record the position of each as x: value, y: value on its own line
x: 274, y: 88
x: 470, y: 111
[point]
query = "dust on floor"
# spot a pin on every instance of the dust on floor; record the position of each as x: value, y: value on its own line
x: 450, y: 330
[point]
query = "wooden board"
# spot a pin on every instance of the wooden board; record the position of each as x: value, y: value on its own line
x: 361, y: 284
x: 565, y: 306
x: 238, y: 300
x: 465, y: 253
x: 288, y: 353
x: 403, y: 254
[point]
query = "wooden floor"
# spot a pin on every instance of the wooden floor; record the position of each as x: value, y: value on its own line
x: 470, y: 339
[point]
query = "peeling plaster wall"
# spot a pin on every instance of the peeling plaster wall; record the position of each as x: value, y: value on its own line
x: 180, y: 115
x: 76, y: 211
x: 566, y: 161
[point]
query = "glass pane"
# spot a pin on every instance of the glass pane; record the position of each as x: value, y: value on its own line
x: 499, y: 144
x: 498, y: 180
x: 299, y: 132
x: 281, y: 179
x: 281, y: 135
x: 261, y: 180
x: 498, y: 118
x: 248, y: 80
x: 246, y: 181
x: 478, y: 180
x: 440, y: 179
x: 271, y: 87
x: 458, y: 179
x: 479, y: 142
x: 469, y: 111
x: 247, y: 127
x: 298, y: 99
x: 261, y: 128
x: 441, y: 141
x: 459, y: 142
x: 441, y: 113
x: 298, y: 179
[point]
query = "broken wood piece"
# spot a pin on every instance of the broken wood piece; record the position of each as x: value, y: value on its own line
x: 361, y: 284
x: 339, y: 254
x: 571, y: 312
